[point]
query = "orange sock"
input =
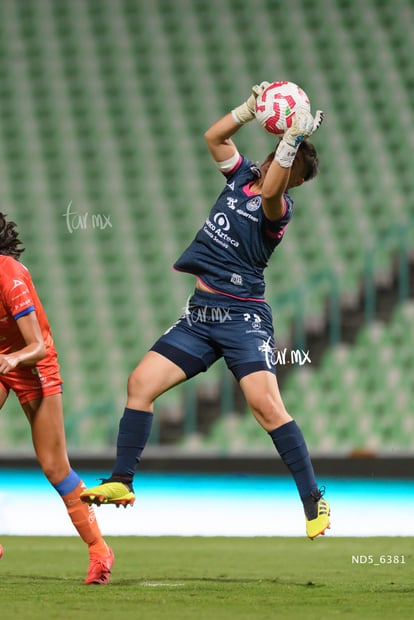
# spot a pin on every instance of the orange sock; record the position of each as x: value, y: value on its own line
x: 84, y: 519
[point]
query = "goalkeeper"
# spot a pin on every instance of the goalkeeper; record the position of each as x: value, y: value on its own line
x: 227, y: 258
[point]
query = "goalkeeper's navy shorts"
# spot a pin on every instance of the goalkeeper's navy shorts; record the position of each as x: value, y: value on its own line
x: 214, y: 326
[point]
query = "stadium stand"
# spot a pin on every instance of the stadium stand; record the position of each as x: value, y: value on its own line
x: 358, y: 401
x: 103, y: 106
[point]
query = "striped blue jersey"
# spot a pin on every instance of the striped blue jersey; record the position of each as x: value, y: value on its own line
x: 233, y: 247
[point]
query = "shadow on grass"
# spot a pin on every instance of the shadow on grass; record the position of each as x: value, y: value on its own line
x: 183, y: 581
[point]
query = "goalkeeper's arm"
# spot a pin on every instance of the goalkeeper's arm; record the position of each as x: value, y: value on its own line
x: 220, y: 144
x: 281, y: 174
x: 218, y: 136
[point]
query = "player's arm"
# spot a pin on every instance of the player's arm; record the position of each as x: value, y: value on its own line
x: 278, y: 175
x: 218, y: 136
x: 273, y: 188
x: 33, y: 352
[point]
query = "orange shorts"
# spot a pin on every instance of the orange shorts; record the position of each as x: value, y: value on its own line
x: 31, y: 383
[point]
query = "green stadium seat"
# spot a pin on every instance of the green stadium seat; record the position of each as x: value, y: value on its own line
x: 359, y: 398
x: 83, y: 118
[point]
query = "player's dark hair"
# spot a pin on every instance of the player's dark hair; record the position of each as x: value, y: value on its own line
x: 9, y: 240
x: 309, y: 158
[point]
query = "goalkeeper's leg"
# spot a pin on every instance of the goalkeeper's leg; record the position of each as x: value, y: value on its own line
x: 153, y: 376
x: 262, y: 394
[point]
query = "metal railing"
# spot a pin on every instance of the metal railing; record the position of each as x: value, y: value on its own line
x: 397, y: 241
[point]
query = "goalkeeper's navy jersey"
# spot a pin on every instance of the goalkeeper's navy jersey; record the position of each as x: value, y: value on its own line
x: 232, y: 249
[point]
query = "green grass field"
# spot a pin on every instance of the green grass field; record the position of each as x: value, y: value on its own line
x: 172, y: 578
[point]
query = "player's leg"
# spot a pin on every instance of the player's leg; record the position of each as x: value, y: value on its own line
x: 263, y: 397
x: 248, y: 348
x: 181, y: 353
x: 46, y: 421
x: 45, y: 417
x: 153, y: 376
x: 3, y: 398
x: 3, y: 394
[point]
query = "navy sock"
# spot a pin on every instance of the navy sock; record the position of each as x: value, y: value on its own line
x: 133, y: 434
x: 290, y: 444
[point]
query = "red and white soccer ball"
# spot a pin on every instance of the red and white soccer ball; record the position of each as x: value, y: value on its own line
x: 276, y: 106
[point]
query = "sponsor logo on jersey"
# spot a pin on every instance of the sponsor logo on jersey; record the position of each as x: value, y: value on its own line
x: 231, y: 202
x: 236, y: 279
x: 221, y: 219
x: 217, y: 230
x: 254, y: 203
x: 248, y: 216
x: 17, y: 283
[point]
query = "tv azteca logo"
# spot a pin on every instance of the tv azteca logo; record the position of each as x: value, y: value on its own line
x: 217, y: 230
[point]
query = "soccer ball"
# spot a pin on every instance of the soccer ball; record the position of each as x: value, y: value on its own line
x: 276, y: 106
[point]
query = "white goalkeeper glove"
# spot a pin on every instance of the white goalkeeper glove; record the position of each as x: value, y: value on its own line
x: 303, y: 126
x: 246, y: 111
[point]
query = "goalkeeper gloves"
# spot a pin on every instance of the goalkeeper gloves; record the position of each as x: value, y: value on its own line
x: 303, y: 126
x: 246, y: 111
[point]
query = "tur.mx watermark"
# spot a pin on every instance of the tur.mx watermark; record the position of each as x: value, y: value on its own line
x: 291, y: 356
x: 206, y: 314
x: 281, y: 357
x: 83, y: 221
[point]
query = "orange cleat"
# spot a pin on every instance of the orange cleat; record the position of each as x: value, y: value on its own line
x: 99, y: 571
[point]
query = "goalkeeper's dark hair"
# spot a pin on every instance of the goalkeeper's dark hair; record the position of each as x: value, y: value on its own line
x: 309, y: 158
x: 9, y: 240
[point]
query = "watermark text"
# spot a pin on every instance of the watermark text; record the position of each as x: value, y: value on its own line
x: 378, y: 560
x: 83, y: 221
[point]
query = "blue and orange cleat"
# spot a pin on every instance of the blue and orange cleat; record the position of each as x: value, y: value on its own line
x: 99, y: 571
x: 111, y: 491
x: 317, y: 512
